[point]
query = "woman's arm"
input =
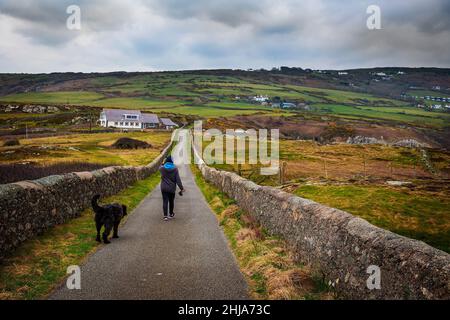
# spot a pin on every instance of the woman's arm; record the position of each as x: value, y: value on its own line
x: 178, y: 180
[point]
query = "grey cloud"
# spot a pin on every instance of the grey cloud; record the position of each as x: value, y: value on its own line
x: 231, y: 12
x: 44, y: 21
x: 171, y: 34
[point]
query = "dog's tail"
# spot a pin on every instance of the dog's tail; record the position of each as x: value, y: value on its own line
x: 124, y: 210
x: 94, y: 203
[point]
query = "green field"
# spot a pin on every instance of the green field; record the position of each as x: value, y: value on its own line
x: 420, y: 215
x: 401, y: 114
x: 62, y: 97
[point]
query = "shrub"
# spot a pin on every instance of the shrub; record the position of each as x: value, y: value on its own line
x: 333, y: 131
x: 11, y: 143
x: 128, y: 143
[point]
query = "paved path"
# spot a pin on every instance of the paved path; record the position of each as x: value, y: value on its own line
x: 185, y: 258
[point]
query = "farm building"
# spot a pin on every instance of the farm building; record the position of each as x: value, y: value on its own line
x: 288, y: 105
x: 150, y: 121
x: 168, y: 124
x: 132, y: 119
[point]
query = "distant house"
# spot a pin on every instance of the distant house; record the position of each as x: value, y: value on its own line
x: 260, y: 98
x: 128, y: 119
x: 342, y: 73
x: 276, y: 105
x: 168, y: 124
x: 284, y: 105
x: 288, y: 105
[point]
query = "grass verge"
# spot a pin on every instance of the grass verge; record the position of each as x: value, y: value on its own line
x: 265, y: 260
x: 421, y: 215
x: 41, y: 263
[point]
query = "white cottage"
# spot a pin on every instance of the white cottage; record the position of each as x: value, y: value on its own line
x: 127, y: 119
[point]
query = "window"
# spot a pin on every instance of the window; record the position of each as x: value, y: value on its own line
x: 126, y: 123
x: 116, y: 123
x: 121, y: 123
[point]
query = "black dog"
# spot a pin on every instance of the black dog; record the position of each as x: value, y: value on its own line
x: 108, y: 216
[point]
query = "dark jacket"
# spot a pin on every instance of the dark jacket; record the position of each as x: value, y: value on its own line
x: 170, y: 178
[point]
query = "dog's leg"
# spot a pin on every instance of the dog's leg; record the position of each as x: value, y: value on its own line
x: 98, y: 225
x: 116, y: 229
x: 107, y: 231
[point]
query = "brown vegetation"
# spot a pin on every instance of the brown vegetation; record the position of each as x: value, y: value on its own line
x: 11, y: 143
x: 19, y: 172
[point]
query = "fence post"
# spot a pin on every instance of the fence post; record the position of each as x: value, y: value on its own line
x: 282, y: 172
x: 364, y: 165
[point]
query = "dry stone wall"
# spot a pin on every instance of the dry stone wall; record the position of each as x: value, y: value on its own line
x: 28, y: 208
x: 346, y: 249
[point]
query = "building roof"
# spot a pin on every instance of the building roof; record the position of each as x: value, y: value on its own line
x: 168, y: 122
x: 288, y: 105
x: 149, y: 118
x: 118, y: 114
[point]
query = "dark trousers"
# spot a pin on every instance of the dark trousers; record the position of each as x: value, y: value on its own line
x: 168, y: 202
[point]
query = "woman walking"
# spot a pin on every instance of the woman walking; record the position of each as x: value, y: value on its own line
x: 170, y: 178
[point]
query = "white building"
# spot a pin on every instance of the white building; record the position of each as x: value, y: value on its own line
x: 260, y: 98
x: 168, y: 124
x: 128, y: 119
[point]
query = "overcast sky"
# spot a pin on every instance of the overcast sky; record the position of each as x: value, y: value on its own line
x: 147, y: 35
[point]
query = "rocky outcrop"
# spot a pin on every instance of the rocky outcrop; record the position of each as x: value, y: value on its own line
x: 27, y: 108
x: 409, y: 143
x: 346, y: 249
x: 28, y: 208
x: 364, y: 140
x: 406, y: 143
x: 34, y: 108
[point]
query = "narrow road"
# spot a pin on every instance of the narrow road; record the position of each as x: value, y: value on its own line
x: 185, y: 258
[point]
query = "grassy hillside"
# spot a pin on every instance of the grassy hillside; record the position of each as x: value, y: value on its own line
x: 227, y: 94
